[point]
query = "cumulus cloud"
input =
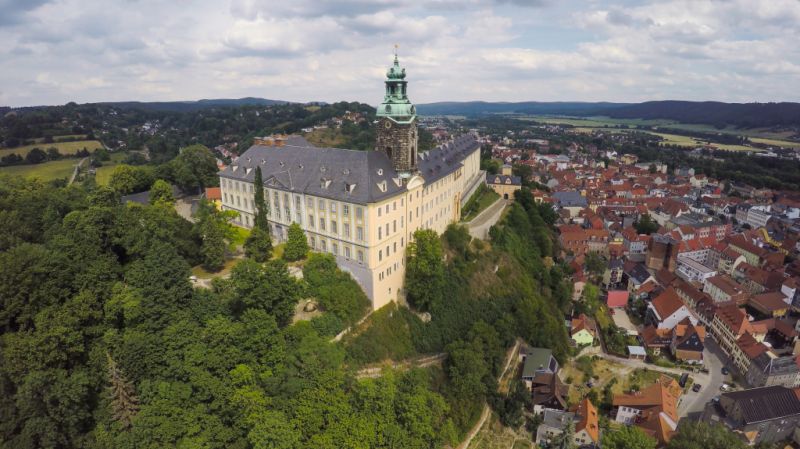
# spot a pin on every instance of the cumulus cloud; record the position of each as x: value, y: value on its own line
x: 330, y: 50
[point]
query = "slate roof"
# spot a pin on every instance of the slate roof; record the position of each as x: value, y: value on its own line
x: 538, y: 359
x: 569, y: 199
x: 347, y: 175
x: 501, y: 180
x: 763, y: 404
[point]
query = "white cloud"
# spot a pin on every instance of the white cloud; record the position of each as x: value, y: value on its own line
x: 303, y: 50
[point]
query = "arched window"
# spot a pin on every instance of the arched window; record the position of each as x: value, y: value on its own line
x: 389, y: 153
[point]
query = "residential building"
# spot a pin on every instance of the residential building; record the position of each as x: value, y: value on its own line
x: 654, y: 409
x: 548, y: 392
x: 758, y: 415
x: 667, y: 310
x: 538, y: 361
x: 505, y: 184
x: 769, y: 369
x: 722, y: 288
x: 583, y: 330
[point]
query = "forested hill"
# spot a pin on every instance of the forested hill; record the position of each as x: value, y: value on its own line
x: 742, y: 115
x: 472, y: 108
x: 192, y: 106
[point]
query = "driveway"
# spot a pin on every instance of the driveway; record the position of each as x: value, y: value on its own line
x: 479, y: 226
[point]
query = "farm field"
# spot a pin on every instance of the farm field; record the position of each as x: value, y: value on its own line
x: 46, y: 171
x: 63, y: 147
x: 588, y: 124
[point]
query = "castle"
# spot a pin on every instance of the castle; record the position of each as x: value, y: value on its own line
x: 361, y: 206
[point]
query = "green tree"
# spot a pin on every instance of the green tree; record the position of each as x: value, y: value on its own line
x: 700, y: 435
x: 258, y: 245
x: 628, y: 437
x: 161, y: 193
x: 213, y: 249
x: 296, y: 244
x: 268, y: 287
x: 36, y: 156
x: 425, y: 269
x: 195, y: 168
x: 565, y: 439
x: 124, y: 402
x: 595, y: 263
x: 127, y: 179
x: 646, y: 225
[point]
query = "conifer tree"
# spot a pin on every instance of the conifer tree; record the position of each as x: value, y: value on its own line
x: 296, y: 244
x: 124, y: 403
x: 258, y: 245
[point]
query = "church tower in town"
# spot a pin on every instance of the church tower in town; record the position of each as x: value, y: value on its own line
x: 397, y: 123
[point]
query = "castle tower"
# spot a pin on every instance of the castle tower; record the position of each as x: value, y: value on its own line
x: 397, y: 123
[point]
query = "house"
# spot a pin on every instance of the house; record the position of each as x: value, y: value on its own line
x: 583, y: 330
x: 770, y: 304
x: 687, y: 341
x: 214, y: 195
x: 722, y: 288
x: 654, y: 409
x: 728, y: 325
x: 571, y: 201
x: 636, y: 275
x: 504, y: 184
x: 769, y: 369
x: 758, y: 415
x: 655, y: 339
x: 613, y: 273
x: 617, y: 299
x: 667, y: 310
x: 538, y: 361
x: 548, y: 392
x: 585, y: 419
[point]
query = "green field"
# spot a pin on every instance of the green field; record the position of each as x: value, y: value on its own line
x: 63, y: 147
x: 589, y: 124
x: 103, y: 174
x: 46, y: 171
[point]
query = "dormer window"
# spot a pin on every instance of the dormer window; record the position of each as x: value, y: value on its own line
x: 349, y: 188
x: 380, y: 172
x: 235, y: 167
x: 382, y: 186
x: 325, y: 183
x: 247, y: 170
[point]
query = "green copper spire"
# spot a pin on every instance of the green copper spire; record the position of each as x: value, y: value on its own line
x: 396, y: 104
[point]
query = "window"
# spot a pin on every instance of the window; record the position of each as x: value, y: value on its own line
x: 336, y: 249
x: 395, y: 247
x: 333, y: 207
x: 394, y: 226
x: 226, y: 197
x: 277, y: 199
x: 380, y: 233
x: 321, y: 205
x: 347, y: 252
x: 387, y: 208
x: 394, y: 205
x: 238, y: 201
x: 322, y: 223
x: 297, y: 202
x: 379, y: 211
x: 313, y: 243
x: 345, y: 210
x: 247, y: 220
x: 334, y: 227
x: 311, y: 221
x: 324, y: 245
x: 401, y: 201
x: 309, y: 203
x: 401, y: 242
x: 346, y: 229
x: 360, y: 255
x: 387, y: 229
x: 380, y: 254
x: 387, y: 250
x: 360, y: 234
x: 359, y: 213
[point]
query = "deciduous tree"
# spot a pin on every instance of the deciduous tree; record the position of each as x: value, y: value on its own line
x: 296, y: 244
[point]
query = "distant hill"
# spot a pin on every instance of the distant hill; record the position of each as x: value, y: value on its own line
x: 526, y: 107
x: 192, y: 106
x: 742, y: 115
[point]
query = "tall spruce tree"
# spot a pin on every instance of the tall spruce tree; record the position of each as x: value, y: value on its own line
x: 258, y: 245
x: 124, y: 403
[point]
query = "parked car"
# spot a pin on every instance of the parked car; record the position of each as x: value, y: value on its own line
x: 684, y: 378
x: 696, y: 387
x: 725, y: 370
x: 725, y: 387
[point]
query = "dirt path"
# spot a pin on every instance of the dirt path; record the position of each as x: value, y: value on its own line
x: 512, y: 355
x: 77, y: 169
x: 419, y: 362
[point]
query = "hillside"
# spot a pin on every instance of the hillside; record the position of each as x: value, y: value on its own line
x: 741, y: 115
x: 471, y: 108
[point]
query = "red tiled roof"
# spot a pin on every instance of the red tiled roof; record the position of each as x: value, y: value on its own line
x: 667, y: 303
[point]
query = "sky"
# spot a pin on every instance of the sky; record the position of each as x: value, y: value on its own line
x: 56, y: 51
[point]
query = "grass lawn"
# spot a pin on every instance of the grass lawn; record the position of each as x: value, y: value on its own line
x: 604, y: 371
x: 103, y: 174
x: 63, y: 147
x: 326, y: 138
x: 46, y: 171
x: 479, y: 201
x: 775, y: 142
x: 202, y: 273
x: 494, y: 435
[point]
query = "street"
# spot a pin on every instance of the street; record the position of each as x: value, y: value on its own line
x: 691, y: 403
x: 479, y: 226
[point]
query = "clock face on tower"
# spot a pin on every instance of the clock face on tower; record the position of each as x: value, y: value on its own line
x: 387, y: 124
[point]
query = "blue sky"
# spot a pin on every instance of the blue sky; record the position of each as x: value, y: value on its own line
x: 57, y: 51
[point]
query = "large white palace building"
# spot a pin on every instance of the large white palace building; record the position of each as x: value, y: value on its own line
x: 360, y: 206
